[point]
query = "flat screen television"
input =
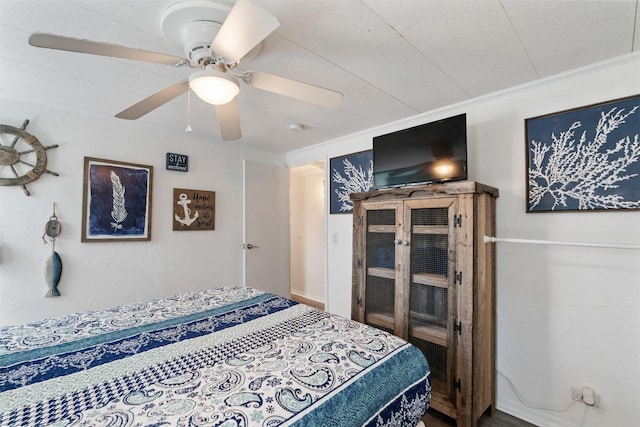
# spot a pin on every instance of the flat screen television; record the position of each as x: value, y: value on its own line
x: 428, y: 153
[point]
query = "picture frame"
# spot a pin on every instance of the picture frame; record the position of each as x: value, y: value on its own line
x: 193, y: 209
x: 351, y: 173
x: 116, y: 201
x: 584, y: 159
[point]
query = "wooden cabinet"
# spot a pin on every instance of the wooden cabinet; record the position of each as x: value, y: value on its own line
x: 422, y: 271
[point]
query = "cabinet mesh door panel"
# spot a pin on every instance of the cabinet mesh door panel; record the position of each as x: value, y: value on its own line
x: 436, y: 355
x: 429, y: 298
x: 378, y: 309
x: 380, y: 250
x: 380, y: 286
x: 430, y: 216
x: 429, y: 254
x: 429, y: 286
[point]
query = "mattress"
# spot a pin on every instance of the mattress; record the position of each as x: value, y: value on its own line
x: 218, y: 357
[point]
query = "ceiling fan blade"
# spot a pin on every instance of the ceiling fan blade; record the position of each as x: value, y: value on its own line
x: 229, y: 120
x: 294, y: 89
x: 154, y: 101
x: 245, y: 27
x: 51, y: 41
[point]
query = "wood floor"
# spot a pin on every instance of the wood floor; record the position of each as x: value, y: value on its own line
x: 500, y: 419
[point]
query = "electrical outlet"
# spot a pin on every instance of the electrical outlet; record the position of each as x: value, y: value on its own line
x: 585, y: 395
x: 588, y: 396
x: 576, y: 393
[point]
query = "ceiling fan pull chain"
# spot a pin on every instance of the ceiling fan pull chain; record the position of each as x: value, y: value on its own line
x: 188, y: 129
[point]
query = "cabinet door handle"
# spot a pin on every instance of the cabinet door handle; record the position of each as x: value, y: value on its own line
x: 397, y: 242
x: 405, y: 243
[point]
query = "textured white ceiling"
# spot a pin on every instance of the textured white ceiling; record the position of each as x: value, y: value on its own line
x: 390, y: 58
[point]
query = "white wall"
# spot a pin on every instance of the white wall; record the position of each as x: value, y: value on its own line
x: 98, y: 275
x: 307, y: 219
x: 566, y: 316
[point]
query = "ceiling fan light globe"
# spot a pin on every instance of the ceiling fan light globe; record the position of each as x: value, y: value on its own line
x: 214, y: 87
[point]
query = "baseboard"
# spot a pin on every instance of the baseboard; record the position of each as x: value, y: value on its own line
x: 311, y: 301
x: 315, y: 298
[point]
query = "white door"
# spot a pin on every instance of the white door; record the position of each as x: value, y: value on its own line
x: 266, y: 227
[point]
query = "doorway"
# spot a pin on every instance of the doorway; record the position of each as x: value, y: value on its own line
x: 307, y: 233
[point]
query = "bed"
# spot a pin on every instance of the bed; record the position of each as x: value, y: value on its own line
x: 218, y: 357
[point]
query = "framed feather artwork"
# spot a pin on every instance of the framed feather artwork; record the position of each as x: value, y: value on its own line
x: 116, y: 202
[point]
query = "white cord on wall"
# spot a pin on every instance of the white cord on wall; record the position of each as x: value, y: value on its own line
x: 536, y: 405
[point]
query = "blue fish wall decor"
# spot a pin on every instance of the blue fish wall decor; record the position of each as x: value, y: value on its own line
x: 52, y: 273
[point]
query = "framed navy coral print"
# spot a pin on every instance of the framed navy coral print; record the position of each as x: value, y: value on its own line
x: 116, y: 203
x: 352, y: 173
x: 585, y: 159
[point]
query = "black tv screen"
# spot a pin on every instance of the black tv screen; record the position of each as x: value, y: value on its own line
x: 428, y: 153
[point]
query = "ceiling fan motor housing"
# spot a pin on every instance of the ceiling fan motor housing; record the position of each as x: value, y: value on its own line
x: 192, y: 25
x: 196, y: 38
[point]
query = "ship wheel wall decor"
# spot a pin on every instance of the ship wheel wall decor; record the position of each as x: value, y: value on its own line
x: 22, y: 157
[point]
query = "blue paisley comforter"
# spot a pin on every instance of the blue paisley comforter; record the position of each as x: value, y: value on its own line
x: 220, y: 357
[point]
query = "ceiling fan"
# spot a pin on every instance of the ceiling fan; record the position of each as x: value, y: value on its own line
x: 215, y: 37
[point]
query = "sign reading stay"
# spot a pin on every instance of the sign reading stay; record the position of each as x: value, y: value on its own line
x: 177, y: 162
